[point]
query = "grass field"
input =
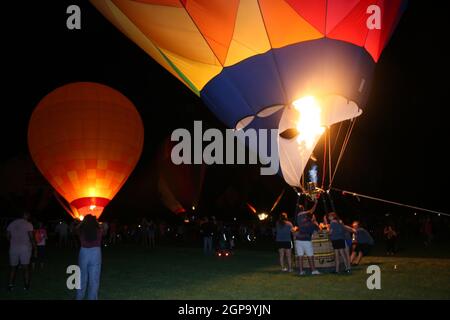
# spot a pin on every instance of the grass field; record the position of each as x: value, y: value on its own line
x: 173, y: 272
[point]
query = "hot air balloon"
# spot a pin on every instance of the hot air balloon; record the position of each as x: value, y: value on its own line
x: 298, y: 66
x: 23, y: 187
x: 86, y: 139
x: 264, y: 214
x: 179, y: 186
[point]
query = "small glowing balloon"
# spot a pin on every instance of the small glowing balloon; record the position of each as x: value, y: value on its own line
x: 86, y: 139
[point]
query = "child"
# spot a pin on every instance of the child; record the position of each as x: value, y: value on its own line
x: 40, y: 235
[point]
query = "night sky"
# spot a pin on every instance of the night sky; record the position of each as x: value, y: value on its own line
x: 397, y: 151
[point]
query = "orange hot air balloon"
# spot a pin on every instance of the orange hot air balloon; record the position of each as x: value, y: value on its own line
x: 86, y: 139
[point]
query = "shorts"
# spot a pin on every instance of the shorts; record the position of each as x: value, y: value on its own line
x: 338, y: 244
x: 303, y: 248
x: 41, y: 253
x: 19, y: 255
x: 348, y: 243
x: 284, y: 245
x: 363, y: 247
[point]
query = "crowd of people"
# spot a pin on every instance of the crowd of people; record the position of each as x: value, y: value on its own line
x: 350, y: 243
x: 27, y: 241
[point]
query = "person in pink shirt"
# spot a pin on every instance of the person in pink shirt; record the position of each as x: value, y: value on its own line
x: 40, y: 235
x: 21, y: 245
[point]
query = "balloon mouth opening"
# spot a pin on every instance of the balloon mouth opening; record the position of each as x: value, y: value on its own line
x: 319, y: 111
x: 89, y: 205
x: 309, y: 123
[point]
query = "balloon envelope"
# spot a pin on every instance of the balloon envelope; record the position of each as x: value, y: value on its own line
x: 179, y: 186
x: 86, y: 139
x: 250, y: 60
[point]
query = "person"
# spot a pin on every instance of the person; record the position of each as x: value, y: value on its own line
x: 363, y: 241
x: 90, y: 258
x: 283, y: 240
x: 306, y: 226
x: 126, y: 232
x: 62, y: 229
x: 207, y: 230
x: 73, y: 242
x: 151, y: 233
x: 348, y: 235
x: 180, y: 232
x: 162, y: 229
x: 105, y: 228
x: 40, y: 236
x: 224, y: 237
x: 113, y: 232
x: 427, y: 230
x: 390, y: 236
x: 21, y: 246
x: 337, y: 237
x: 144, y: 232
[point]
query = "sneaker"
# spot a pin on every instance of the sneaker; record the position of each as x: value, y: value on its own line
x: 284, y: 269
x: 26, y: 287
x: 302, y: 273
x: 348, y: 271
x: 315, y: 272
x: 10, y: 287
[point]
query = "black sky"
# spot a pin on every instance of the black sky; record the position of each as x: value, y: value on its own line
x: 398, y: 149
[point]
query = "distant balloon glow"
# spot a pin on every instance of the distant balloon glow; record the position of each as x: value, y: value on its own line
x: 263, y: 216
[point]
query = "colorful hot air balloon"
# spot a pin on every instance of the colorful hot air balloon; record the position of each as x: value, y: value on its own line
x: 293, y: 65
x: 86, y: 139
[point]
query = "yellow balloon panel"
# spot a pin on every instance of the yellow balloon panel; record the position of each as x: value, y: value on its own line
x: 168, y: 34
x: 170, y: 28
x: 199, y: 73
x: 250, y: 37
x: 127, y: 27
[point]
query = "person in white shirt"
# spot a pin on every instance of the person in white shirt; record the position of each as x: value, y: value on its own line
x: 21, y: 245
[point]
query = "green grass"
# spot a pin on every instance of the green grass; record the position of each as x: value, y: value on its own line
x: 171, y: 272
